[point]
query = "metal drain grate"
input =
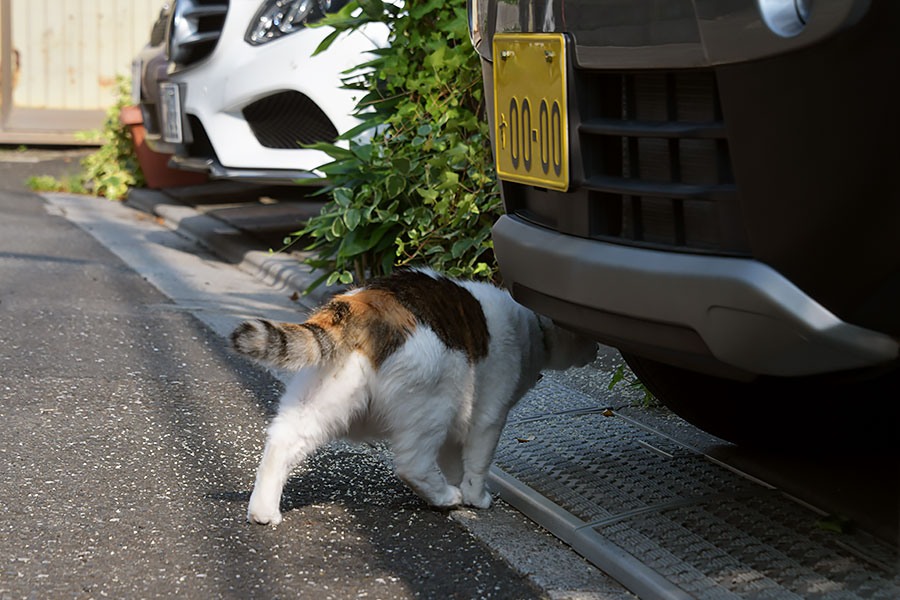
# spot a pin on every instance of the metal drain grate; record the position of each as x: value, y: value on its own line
x: 696, y: 528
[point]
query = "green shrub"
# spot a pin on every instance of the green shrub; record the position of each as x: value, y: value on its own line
x: 423, y: 190
x: 113, y: 168
x: 109, y: 171
x: 631, y: 381
x: 73, y: 184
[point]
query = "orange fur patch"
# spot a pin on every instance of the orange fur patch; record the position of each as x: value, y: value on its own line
x: 370, y: 321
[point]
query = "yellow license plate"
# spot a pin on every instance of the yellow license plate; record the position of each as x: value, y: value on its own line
x: 530, y: 117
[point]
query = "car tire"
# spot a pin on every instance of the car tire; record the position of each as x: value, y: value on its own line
x: 837, y: 412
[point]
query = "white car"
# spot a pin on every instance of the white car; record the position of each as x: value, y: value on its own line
x: 245, y: 90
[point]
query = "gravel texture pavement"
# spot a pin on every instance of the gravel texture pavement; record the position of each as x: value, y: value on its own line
x: 129, y: 441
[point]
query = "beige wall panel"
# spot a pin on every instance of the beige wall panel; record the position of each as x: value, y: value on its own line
x: 91, y: 92
x: 72, y: 50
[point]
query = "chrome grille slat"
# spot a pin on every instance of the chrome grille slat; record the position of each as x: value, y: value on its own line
x: 201, y: 38
x: 195, y: 29
x: 206, y: 11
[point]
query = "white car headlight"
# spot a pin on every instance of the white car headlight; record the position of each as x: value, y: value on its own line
x: 276, y: 18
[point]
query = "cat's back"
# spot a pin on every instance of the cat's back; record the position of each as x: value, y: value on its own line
x: 451, y: 309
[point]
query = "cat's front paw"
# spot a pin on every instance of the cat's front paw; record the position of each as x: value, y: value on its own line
x: 476, y: 495
x: 263, y: 518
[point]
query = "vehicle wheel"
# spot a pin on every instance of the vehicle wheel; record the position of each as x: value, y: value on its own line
x: 838, y: 412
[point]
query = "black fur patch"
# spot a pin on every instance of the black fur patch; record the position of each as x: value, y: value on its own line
x: 339, y: 311
x: 389, y: 339
x: 447, y: 308
x: 276, y: 339
x: 242, y: 330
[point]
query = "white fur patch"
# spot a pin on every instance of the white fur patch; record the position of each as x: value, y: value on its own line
x: 442, y: 413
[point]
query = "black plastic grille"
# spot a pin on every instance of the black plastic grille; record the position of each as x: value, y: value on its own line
x: 197, y: 26
x: 655, y: 166
x: 199, y: 145
x: 288, y: 119
x: 656, y: 159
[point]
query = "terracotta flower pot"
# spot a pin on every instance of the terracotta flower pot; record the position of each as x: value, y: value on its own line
x: 155, y: 166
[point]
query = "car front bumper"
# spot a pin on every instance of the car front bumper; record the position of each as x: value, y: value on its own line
x: 735, y: 317
x: 217, y: 89
x: 216, y: 170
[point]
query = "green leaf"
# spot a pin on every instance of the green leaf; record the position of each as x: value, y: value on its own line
x: 834, y: 524
x: 361, y: 151
x: 461, y: 246
x: 481, y: 268
x: 354, y: 243
x: 387, y: 263
x: 449, y: 180
x: 424, y: 130
x: 352, y: 218
x: 394, y: 185
x: 366, y: 125
x: 331, y: 150
x: 325, y: 44
x: 315, y: 284
x: 337, y: 228
x: 429, y: 195
x: 618, y: 376
x: 373, y: 8
x: 343, y: 196
x: 423, y: 9
x: 401, y: 165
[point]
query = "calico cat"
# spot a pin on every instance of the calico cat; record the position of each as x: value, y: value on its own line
x: 429, y: 363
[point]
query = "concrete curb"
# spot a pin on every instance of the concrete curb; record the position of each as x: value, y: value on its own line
x: 232, y: 245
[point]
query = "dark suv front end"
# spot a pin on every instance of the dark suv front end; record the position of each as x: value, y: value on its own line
x: 730, y: 207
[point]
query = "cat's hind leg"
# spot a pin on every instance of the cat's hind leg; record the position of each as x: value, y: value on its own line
x: 420, y: 393
x: 416, y: 464
x: 317, y: 406
x: 417, y: 437
x: 450, y: 461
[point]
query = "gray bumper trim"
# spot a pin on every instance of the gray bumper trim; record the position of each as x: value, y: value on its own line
x: 218, y: 171
x: 749, y: 315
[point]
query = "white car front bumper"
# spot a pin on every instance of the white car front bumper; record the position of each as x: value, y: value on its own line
x: 218, y: 88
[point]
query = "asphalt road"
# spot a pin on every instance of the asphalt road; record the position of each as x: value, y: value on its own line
x: 129, y: 441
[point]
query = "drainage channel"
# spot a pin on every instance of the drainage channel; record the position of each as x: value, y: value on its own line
x: 666, y: 521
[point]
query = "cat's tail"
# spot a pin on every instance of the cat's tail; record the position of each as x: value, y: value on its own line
x: 283, y: 345
x: 369, y: 321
